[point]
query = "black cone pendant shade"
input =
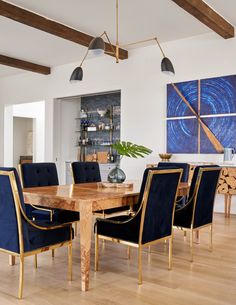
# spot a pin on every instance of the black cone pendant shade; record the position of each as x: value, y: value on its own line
x: 77, y: 75
x: 97, y: 46
x: 167, y: 67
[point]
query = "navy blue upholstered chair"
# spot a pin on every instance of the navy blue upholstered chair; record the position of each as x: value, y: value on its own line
x: 85, y: 172
x: 153, y: 220
x: 198, y: 210
x: 21, y: 237
x: 185, y: 166
x: 44, y: 174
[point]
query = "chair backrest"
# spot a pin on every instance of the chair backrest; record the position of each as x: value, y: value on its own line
x: 85, y: 172
x: 205, y: 189
x: 199, y: 207
x: 195, y: 177
x: 14, y: 234
x: 39, y: 174
x: 184, y: 166
x: 158, y: 204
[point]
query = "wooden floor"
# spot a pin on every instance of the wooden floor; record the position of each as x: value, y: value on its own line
x: 210, y: 280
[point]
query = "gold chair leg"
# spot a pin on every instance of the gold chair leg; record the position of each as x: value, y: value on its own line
x: 191, y: 245
x: 96, y: 252
x: 35, y: 261
x: 140, y: 277
x: 170, y: 252
x: 70, y: 262
x: 53, y: 253
x: 21, y: 278
x: 211, y: 237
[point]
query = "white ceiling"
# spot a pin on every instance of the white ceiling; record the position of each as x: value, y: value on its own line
x: 139, y: 19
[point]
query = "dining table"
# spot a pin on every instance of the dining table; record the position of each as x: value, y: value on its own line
x: 87, y: 198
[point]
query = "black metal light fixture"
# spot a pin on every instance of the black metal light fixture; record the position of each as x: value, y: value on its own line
x: 97, y: 47
x: 77, y: 75
x: 167, y: 67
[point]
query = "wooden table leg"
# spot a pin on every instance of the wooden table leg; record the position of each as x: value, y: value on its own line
x: 85, y: 243
x: 229, y: 205
x: 226, y: 205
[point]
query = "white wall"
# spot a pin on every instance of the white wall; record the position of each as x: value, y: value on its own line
x: 143, y: 90
x: 35, y: 111
x: 21, y: 128
x: 65, y: 138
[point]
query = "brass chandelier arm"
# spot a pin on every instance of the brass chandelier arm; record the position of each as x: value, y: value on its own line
x: 158, y: 43
x: 113, y: 50
x: 137, y: 42
x: 145, y: 40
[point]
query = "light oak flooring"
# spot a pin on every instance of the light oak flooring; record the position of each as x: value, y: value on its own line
x: 209, y: 280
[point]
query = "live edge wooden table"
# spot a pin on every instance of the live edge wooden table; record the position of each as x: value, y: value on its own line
x: 86, y: 198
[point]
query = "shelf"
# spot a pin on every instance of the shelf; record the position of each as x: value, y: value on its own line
x: 99, y: 130
x: 93, y: 145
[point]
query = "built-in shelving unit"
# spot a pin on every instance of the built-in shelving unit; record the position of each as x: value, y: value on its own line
x: 98, y: 127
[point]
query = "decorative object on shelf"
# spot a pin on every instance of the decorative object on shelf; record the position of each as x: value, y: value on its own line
x: 228, y: 154
x: 128, y: 149
x: 97, y: 46
x: 101, y: 112
x: 165, y: 157
x: 201, y: 115
x: 83, y: 114
x: 102, y: 156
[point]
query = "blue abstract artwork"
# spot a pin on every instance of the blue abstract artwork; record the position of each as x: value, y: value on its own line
x: 182, y: 135
x: 201, y: 113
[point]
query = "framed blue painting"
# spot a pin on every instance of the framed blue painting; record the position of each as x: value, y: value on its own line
x: 201, y: 115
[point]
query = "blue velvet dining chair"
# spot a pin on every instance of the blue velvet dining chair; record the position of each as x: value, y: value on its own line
x: 185, y: 177
x: 85, y: 172
x: 197, y: 213
x: 39, y: 175
x: 44, y: 174
x: 22, y: 237
x: 153, y: 220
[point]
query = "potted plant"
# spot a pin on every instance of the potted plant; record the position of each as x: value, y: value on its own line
x: 127, y: 149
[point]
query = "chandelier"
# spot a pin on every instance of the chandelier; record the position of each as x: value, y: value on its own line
x: 97, y: 47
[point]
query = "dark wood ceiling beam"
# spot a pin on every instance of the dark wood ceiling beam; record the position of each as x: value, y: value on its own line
x: 24, y: 65
x: 52, y: 27
x: 204, y: 13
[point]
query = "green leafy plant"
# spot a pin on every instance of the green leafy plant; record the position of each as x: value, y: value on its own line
x: 130, y: 150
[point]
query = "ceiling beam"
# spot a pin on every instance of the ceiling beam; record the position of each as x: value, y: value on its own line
x: 204, y: 13
x: 24, y: 65
x: 52, y: 27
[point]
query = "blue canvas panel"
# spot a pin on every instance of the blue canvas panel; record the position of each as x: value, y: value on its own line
x: 175, y: 105
x: 224, y: 130
x: 182, y: 136
x: 218, y: 95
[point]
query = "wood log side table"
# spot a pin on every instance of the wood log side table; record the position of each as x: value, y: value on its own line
x: 227, y: 186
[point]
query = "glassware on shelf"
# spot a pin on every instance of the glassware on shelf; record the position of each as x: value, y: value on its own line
x: 83, y: 114
x: 101, y: 112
